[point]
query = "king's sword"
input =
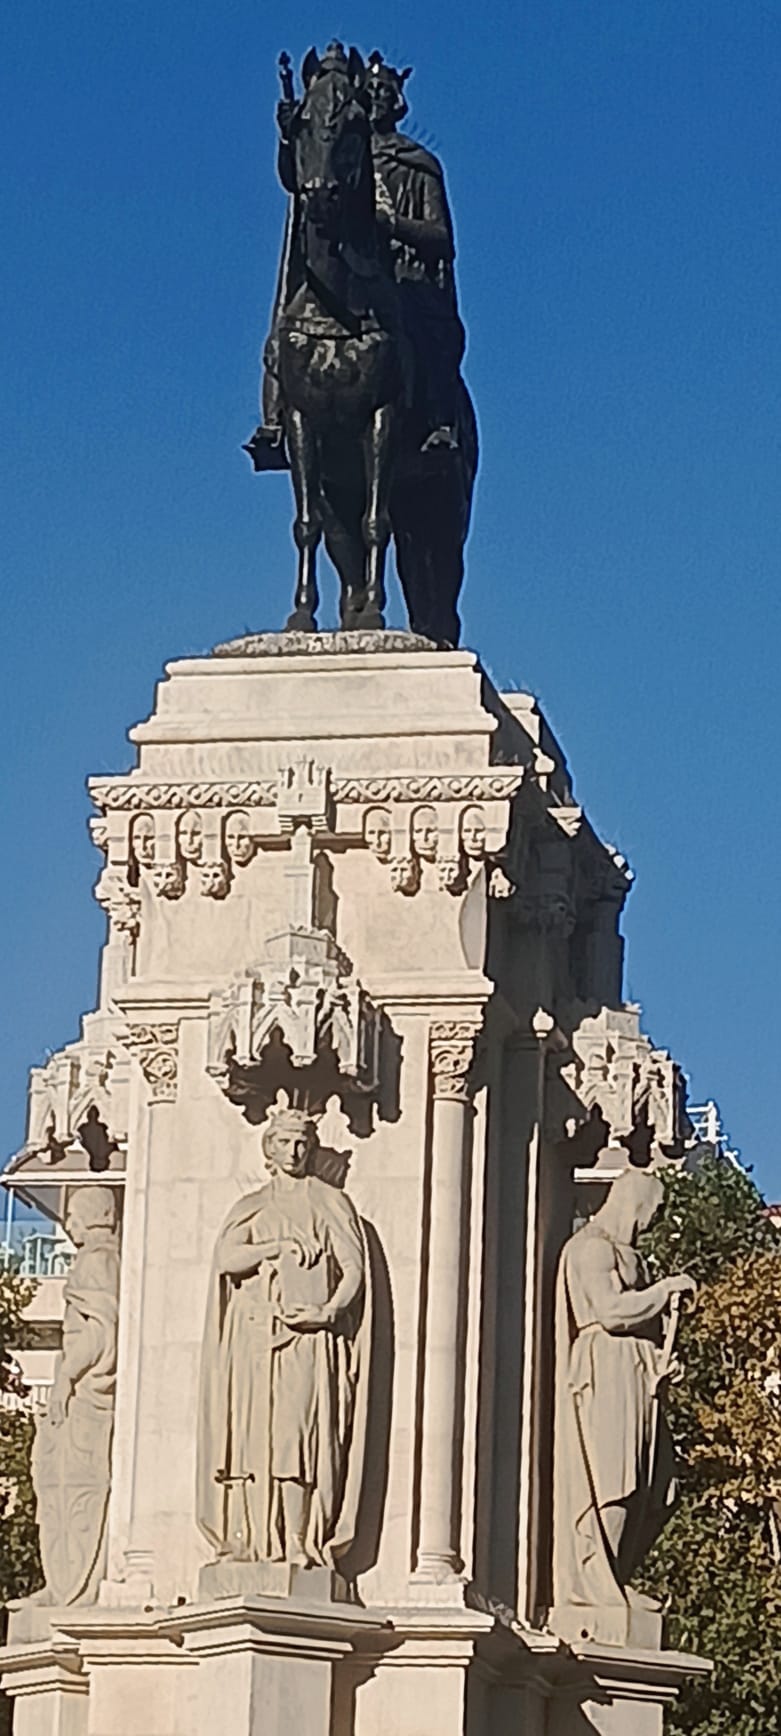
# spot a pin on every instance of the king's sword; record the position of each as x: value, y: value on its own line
x: 227, y: 1481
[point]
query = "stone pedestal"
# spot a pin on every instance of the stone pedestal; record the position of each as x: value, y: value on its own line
x: 345, y: 872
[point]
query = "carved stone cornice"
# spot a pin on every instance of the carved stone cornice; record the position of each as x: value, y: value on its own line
x: 126, y: 794
x: 616, y: 1071
x: 120, y: 793
x: 121, y: 902
x: 452, y: 1052
x: 303, y: 992
x: 156, y: 1048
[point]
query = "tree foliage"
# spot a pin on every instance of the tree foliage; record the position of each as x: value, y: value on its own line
x: 717, y: 1566
x: 20, y: 1569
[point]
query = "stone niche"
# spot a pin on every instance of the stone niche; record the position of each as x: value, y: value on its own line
x: 360, y: 1010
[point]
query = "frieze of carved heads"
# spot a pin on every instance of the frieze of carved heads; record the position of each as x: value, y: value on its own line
x: 202, y: 849
x: 419, y: 843
x: 616, y: 1071
x: 426, y: 830
x: 303, y: 994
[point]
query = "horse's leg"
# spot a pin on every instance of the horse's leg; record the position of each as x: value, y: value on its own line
x: 342, y: 506
x: 307, y: 525
x: 376, y: 524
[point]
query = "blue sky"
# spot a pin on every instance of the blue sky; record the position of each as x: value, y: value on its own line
x: 613, y: 168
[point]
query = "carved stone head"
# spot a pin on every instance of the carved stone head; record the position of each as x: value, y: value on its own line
x: 215, y: 880
x: 632, y: 1204
x: 90, y: 1208
x: 377, y: 833
x: 169, y: 880
x: 473, y: 833
x: 425, y: 834
x: 288, y: 1139
x: 142, y: 839
x: 190, y: 836
x: 239, y: 843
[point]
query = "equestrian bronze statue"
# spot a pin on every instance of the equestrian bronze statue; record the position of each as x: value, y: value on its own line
x: 362, y: 390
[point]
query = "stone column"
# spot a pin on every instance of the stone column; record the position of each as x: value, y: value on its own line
x: 451, y: 1055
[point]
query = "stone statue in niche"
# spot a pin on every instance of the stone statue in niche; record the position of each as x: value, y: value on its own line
x: 284, y: 1373
x: 613, y: 1460
x: 71, y: 1462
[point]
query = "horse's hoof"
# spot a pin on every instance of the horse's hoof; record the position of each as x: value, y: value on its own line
x: 372, y: 621
x: 300, y: 622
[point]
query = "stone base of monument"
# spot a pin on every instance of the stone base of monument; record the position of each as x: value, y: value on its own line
x: 246, y: 1664
x: 350, y: 874
x: 623, y: 1624
x: 227, y: 1578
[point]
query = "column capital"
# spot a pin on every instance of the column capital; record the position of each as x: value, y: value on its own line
x: 155, y: 1047
x: 452, y: 1049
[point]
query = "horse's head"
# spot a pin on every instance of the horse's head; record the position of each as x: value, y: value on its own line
x: 331, y: 144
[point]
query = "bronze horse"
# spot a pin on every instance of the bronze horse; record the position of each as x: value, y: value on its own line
x: 347, y: 390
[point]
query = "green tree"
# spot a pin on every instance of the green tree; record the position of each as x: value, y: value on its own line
x: 20, y: 1569
x: 717, y: 1566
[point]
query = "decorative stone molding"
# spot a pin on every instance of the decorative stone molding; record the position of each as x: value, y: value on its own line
x: 617, y: 1072
x: 78, y: 1104
x: 452, y: 1047
x: 304, y: 797
x: 99, y: 832
x: 304, y: 993
x: 122, y: 794
x: 156, y: 1047
x: 121, y: 902
x: 496, y: 786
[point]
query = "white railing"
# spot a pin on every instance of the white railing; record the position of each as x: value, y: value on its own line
x: 34, y: 1397
x: 36, y: 1254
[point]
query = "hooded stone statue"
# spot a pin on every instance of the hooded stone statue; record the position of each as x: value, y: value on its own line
x: 284, y: 1372
x: 71, y: 1462
x: 613, y: 1457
